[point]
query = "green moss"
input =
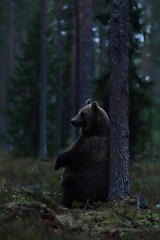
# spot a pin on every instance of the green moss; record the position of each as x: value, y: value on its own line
x: 29, y: 181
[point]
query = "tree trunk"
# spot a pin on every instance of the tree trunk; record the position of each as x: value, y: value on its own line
x: 7, y: 71
x: 87, y: 51
x: 9, y: 42
x: 75, y: 74
x: 145, y: 60
x: 102, y: 50
x: 119, y: 101
x: 42, y: 148
x: 58, y: 46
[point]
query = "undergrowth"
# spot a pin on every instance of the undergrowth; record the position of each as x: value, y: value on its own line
x: 30, y: 206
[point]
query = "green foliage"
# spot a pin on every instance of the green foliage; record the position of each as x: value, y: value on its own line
x: 27, y: 171
x: 141, y: 102
x: 23, y: 95
x: 145, y: 180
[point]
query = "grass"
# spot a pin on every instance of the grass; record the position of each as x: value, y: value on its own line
x: 146, y: 179
x: 30, y: 205
x: 27, y: 171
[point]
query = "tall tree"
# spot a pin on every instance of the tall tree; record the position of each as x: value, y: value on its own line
x: 9, y: 54
x: 87, y: 47
x: 58, y: 47
x: 140, y: 99
x: 151, y: 59
x: 24, y: 93
x: 101, y: 51
x: 42, y: 150
x: 75, y: 70
x: 8, y: 57
x: 119, y: 99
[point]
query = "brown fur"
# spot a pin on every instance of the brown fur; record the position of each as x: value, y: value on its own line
x: 85, y: 163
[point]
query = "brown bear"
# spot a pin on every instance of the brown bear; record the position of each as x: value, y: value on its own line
x: 85, y: 163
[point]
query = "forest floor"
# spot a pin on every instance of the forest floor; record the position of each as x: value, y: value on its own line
x: 30, y: 205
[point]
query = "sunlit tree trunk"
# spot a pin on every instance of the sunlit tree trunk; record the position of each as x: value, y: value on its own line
x: 42, y: 147
x: 119, y: 101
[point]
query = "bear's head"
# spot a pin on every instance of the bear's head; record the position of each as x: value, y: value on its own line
x: 92, y: 118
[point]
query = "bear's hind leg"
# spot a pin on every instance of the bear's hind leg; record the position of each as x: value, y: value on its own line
x: 69, y: 186
x: 73, y: 190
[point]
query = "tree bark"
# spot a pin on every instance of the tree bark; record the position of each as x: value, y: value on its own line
x: 42, y: 148
x: 75, y: 74
x: 7, y: 72
x: 119, y: 101
x: 87, y: 52
x: 102, y: 54
x: 58, y: 46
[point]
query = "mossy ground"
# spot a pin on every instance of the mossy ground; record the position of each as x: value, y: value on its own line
x: 30, y: 205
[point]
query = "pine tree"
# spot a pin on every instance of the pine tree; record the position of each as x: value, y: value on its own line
x: 140, y: 99
x: 86, y: 52
x: 23, y: 95
x: 42, y: 75
x: 119, y: 101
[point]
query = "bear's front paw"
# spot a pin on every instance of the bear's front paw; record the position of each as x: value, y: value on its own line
x: 61, y: 160
x: 57, y: 165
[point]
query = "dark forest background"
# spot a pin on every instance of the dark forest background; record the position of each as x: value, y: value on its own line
x: 50, y: 64
x: 53, y: 56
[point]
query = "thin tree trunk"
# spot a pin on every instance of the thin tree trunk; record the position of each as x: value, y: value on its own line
x: 119, y: 101
x: 9, y: 42
x: 58, y: 46
x: 42, y: 148
x: 75, y: 77
x: 101, y: 51
x: 8, y: 69
x: 87, y: 52
x: 145, y: 66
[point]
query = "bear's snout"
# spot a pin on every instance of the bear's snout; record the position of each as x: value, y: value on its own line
x: 73, y: 122
x: 76, y: 121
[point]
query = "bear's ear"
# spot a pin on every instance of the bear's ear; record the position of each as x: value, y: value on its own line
x: 88, y: 101
x: 94, y: 106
